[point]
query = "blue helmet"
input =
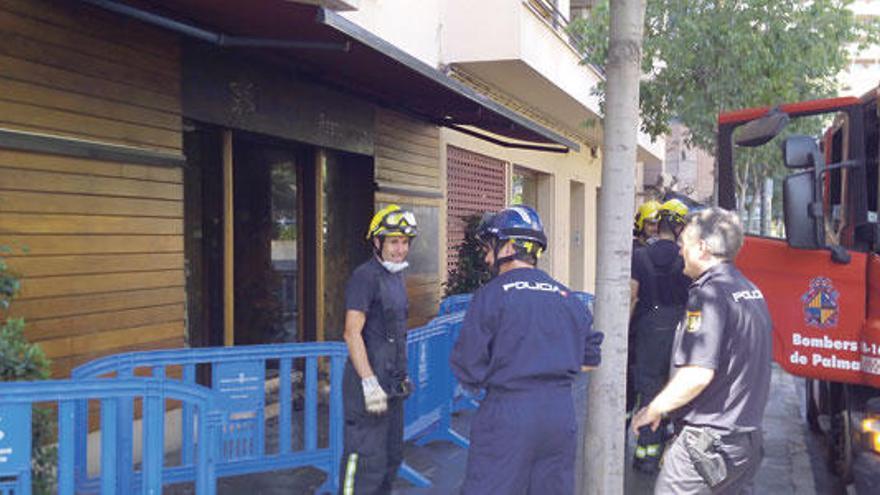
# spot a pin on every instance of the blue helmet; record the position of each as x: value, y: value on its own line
x: 518, y: 223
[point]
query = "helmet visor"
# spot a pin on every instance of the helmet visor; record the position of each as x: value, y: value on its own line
x: 401, y: 221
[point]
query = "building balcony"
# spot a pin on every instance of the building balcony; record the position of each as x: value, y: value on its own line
x: 522, y: 48
x: 341, y: 5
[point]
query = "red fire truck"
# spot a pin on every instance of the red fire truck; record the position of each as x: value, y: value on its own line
x: 822, y: 282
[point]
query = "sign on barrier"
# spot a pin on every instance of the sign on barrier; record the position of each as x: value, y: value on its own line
x: 242, y: 383
x: 15, y: 439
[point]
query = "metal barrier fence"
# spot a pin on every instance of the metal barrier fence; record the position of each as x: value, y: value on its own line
x: 16, y: 405
x: 454, y: 304
x: 428, y: 411
x: 238, y: 378
x: 239, y: 375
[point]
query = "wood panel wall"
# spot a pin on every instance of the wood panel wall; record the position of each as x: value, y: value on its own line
x: 70, y: 69
x: 408, y: 159
x: 407, y: 152
x: 99, y: 245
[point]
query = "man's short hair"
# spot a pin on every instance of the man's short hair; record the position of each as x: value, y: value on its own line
x: 720, y: 229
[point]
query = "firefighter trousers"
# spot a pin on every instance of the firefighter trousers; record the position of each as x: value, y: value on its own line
x: 654, y: 335
x: 373, y: 450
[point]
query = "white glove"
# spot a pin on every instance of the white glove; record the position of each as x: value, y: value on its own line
x: 375, y: 398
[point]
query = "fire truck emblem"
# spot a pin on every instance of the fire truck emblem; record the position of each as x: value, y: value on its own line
x: 820, y: 303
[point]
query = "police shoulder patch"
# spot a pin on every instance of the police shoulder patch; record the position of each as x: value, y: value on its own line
x: 693, y: 319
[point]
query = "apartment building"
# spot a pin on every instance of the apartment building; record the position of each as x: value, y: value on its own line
x: 199, y: 172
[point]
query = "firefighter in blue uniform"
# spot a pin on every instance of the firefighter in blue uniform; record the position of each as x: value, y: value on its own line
x: 524, y: 339
x: 375, y: 383
x: 659, y: 294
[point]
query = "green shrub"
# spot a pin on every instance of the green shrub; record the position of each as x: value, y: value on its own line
x: 21, y: 360
x: 471, y: 272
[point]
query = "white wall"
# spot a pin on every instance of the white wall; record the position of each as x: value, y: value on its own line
x: 411, y: 25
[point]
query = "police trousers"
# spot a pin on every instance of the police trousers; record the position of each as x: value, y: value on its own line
x: 523, y: 442
x: 742, y: 454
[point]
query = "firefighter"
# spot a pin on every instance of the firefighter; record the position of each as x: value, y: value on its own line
x: 644, y: 232
x: 659, y: 293
x: 645, y: 223
x: 722, y: 356
x: 523, y: 340
x: 375, y: 383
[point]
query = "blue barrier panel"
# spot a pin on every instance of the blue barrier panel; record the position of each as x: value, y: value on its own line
x: 454, y: 304
x: 428, y: 411
x: 461, y: 398
x: 586, y: 298
x: 17, y: 399
x: 239, y: 375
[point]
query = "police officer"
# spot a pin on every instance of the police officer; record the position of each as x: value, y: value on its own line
x: 659, y: 293
x: 375, y: 382
x: 523, y: 340
x: 722, y: 354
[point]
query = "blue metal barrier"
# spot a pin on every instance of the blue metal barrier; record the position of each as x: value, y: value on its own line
x: 428, y: 411
x: 586, y: 298
x: 238, y: 374
x: 461, y: 398
x: 454, y: 304
x: 18, y: 398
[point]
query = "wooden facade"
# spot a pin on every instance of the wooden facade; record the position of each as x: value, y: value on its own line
x: 99, y: 237
x: 99, y: 243
x: 408, y: 172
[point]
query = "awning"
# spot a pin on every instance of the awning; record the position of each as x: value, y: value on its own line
x: 336, y: 52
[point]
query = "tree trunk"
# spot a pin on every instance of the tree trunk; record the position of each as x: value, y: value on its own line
x: 768, y: 206
x: 604, y: 440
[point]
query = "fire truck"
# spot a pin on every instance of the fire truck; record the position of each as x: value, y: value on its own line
x: 822, y: 281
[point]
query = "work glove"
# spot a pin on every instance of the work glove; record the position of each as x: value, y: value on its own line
x: 375, y: 399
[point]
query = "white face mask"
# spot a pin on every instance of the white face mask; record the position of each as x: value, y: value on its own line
x: 395, y: 267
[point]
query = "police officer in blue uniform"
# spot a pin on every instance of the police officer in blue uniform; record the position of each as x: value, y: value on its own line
x: 659, y: 294
x: 523, y: 340
x: 375, y: 383
x: 722, y: 358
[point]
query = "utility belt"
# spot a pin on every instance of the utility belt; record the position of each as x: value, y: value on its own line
x: 705, y: 447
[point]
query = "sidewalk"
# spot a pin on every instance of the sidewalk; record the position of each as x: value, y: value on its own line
x: 786, y: 470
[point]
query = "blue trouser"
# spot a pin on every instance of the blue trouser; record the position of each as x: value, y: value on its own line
x: 372, y: 444
x: 523, y: 442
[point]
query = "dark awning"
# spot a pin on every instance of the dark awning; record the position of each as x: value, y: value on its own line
x: 361, y: 63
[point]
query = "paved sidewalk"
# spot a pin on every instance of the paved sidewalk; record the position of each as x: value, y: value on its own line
x: 786, y: 470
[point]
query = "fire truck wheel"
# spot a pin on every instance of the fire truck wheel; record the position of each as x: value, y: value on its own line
x: 812, y: 408
x: 840, y: 455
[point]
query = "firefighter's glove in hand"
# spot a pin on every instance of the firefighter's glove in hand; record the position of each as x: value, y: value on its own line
x: 375, y: 398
